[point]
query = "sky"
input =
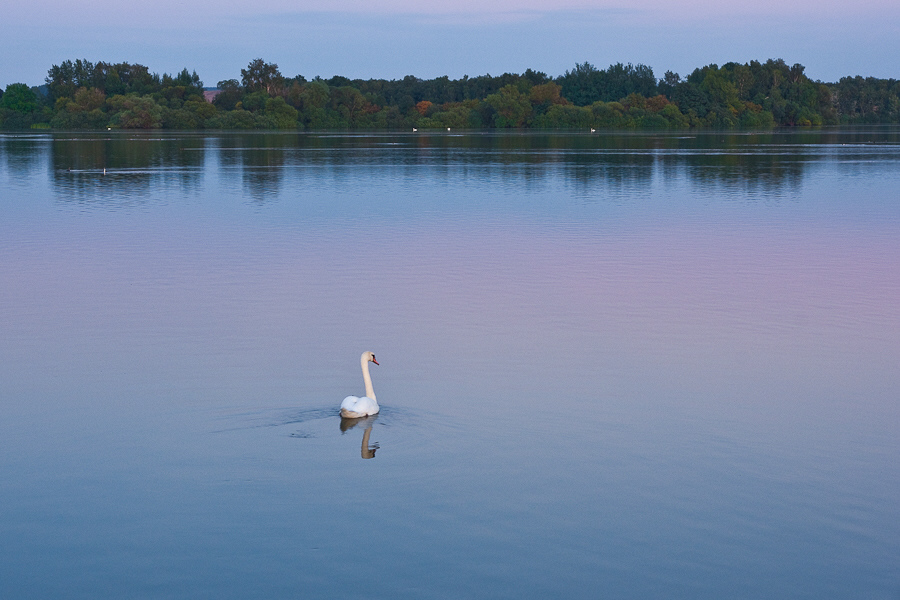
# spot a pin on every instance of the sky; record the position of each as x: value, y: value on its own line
x: 393, y: 38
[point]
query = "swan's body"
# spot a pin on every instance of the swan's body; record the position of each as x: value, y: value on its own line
x: 353, y: 407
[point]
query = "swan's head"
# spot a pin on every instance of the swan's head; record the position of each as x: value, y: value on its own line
x: 370, y: 357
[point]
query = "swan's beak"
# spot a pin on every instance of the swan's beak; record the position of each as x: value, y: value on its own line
x: 375, y: 361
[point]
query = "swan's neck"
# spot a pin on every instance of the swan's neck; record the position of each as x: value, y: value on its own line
x: 370, y: 391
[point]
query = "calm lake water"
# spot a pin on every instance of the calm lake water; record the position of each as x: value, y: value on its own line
x: 611, y: 366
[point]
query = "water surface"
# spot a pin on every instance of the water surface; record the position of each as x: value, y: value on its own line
x: 623, y: 365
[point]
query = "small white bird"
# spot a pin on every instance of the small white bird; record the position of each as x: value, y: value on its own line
x: 593, y: 130
x: 414, y: 129
x: 353, y: 407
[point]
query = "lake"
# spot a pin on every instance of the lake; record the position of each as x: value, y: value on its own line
x: 611, y: 365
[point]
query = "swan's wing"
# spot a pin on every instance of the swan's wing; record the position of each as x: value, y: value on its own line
x: 367, y: 405
x: 364, y: 405
x: 350, y: 403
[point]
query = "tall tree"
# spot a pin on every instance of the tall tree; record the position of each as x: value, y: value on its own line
x: 581, y: 85
x: 511, y: 107
x: 64, y: 79
x: 20, y: 98
x: 230, y: 93
x: 260, y: 76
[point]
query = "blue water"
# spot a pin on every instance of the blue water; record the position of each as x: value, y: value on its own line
x: 619, y: 365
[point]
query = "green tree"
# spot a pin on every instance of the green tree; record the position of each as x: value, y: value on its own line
x: 179, y: 89
x: 63, y: 80
x: 230, y: 93
x: 19, y: 107
x: 350, y: 104
x: 20, y: 98
x: 255, y: 101
x: 262, y: 76
x: 511, y: 107
x: 674, y: 117
x: 279, y: 114
x: 456, y: 115
x: 314, y: 99
x: 191, y: 80
x: 235, y: 119
x: 125, y: 78
x: 720, y: 90
x: 667, y: 84
x: 565, y: 116
x: 84, y: 111
x: 619, y: 81
x: 135, y: 112
x: 581, y: 85
x: 743, y: 81
x: 543, y: 96
x: 690, y: 98
x: 609, y: 115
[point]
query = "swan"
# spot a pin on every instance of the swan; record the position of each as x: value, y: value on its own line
x: 353, y: 407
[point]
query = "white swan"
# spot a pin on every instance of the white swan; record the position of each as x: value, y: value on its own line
x: 353, y: 407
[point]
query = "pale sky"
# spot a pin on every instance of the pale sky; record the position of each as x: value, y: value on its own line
x: 393, y: 38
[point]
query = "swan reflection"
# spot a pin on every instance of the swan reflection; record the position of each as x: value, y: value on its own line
x: 366, y: 451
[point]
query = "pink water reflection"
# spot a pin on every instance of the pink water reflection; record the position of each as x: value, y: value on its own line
x: 489, y: 306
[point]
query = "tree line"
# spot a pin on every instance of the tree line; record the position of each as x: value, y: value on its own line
x: 81, y: 94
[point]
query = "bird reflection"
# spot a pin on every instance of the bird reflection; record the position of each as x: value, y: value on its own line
x: 367, y: 451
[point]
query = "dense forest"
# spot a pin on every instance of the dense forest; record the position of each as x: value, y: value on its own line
x: 84, y: 95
